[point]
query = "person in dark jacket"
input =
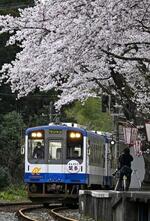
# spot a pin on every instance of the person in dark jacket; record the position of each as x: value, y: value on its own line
x: 124, y: 168
x: 38, y: 152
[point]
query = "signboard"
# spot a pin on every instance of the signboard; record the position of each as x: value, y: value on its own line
x: 130, y: 135
x: 137, y: 148
x: 73, y: 166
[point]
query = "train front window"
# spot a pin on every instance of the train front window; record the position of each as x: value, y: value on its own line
x: 74, y: 145
x: 36, y: 150
x: 55, y: 150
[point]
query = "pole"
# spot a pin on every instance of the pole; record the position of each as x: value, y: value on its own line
x: 106, y: 156
x: 51, y: 111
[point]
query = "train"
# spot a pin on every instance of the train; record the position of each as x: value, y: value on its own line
x: 61, y: 159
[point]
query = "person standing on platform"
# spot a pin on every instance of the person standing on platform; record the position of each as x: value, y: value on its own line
x: 124, y: 169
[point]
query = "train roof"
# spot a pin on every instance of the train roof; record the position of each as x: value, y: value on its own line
x: 69, y: 126
x: 58, y: 127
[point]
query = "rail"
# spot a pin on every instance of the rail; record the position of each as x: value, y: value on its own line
x: 54, y: 213
x: 21, y: 213
x: 23, y: 209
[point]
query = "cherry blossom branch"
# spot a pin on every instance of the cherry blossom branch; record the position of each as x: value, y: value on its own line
x: 126, y: 58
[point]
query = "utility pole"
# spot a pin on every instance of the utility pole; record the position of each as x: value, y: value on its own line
x: 51, y: 111
x: 53, y: 114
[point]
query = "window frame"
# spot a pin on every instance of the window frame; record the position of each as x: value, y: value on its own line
x: 76, y: 144
x: 31, y: 149
x: 54, y: 161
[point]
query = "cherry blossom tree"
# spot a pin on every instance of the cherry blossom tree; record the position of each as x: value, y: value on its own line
x: 83, y: 48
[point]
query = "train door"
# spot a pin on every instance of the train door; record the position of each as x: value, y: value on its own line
x: 74, y: 152
x: 87, y: 155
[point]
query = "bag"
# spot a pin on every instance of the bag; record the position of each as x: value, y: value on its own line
x: 125, y: 170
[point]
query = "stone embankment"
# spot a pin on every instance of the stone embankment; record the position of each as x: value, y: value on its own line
x: 115, y: 205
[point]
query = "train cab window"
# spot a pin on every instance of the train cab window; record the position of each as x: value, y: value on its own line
x: 55, y: 150
x: 74, y: 145
x: 36, y: 146
x: 36, y: 150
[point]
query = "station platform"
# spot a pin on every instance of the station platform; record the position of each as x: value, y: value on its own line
x: 109, y: 205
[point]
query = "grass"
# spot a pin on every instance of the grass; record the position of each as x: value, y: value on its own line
x: 14, y: 193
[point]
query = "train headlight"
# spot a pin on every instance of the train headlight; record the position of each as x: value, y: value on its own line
x: 78, y: 135
x: 75, y: 135
x: 72, y: 135
x: 39, y: 134
x: 33, y: 135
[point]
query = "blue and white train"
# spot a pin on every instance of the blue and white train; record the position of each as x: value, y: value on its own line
x: 72, y: 158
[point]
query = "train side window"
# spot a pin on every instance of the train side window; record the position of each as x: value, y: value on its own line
x: 55, y: 150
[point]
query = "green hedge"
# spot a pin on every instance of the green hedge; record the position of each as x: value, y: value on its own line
x: 11, y: 6
x: 15, y: 2
x: 10, y: 11
x: 4, y: 177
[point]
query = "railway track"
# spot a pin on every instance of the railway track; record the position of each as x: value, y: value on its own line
x: 13, y: 207
x: 22, y: 213
x: 27, y: 211
x: 54, y: 213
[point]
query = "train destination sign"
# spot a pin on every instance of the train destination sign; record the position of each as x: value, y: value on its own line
x: 55, y: 131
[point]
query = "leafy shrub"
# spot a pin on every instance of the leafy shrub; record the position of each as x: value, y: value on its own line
x: 14, y: 193
x: 11, y: 138
x: 4, y: 177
